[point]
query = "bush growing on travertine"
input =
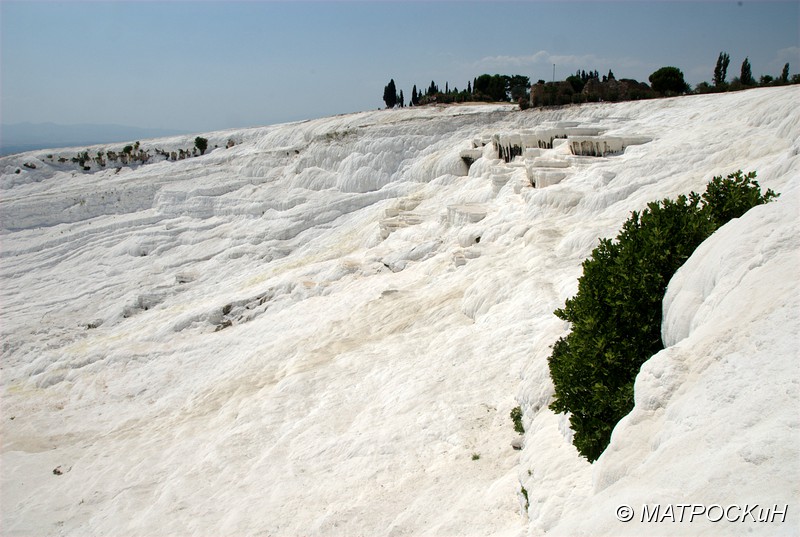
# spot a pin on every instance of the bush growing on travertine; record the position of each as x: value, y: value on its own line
x: 616, y: 314
x: 729, y: 198
x: 201, y: 144
x: 524, y: 493
x: 516, y: 417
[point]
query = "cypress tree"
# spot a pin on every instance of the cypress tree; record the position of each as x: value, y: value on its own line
x: 746, y: 76
x: 721, y: 70
x: 785, y: 74
x: 390, y: 94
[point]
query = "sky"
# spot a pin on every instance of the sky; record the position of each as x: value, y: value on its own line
x: 199, y: 66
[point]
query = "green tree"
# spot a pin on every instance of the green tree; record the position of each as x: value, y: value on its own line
x: 746, y: 76
x: 785, y: 74
x: 498, y: 88
x: 576, y: 82
x: 201, y: 144
x: 402, y: 99
x: 669, y: 81
x: 481, y: 84
x: 390, y: 94
x: 494, y: 87
x: 433, y: 89
x: 519, y: 86
x: 721, y: 70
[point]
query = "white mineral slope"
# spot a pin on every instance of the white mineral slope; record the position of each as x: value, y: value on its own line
x: 716, y: 419
x: 314, y: 332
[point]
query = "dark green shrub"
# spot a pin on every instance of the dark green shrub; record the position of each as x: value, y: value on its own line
x: 616, y: 314
x: 516, y: 417
x: 201, y: 144
x: 725, y: 199
x: 703, y: 87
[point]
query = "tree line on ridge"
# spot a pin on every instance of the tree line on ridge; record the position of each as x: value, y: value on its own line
x: 583, y: 86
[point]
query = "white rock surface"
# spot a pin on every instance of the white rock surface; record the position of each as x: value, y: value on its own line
x: 297, y: 335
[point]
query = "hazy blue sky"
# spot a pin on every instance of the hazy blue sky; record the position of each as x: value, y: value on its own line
x: 200, y: 66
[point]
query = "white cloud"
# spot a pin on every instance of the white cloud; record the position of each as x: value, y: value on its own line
x: 514, y: 61
x: 564, y: 63
x: 790, y: 55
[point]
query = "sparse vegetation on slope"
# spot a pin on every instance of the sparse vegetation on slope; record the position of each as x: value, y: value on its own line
x: 130, y: 155
x: 616, y: 314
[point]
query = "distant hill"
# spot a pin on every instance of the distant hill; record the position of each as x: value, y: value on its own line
x: 19, y: 137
